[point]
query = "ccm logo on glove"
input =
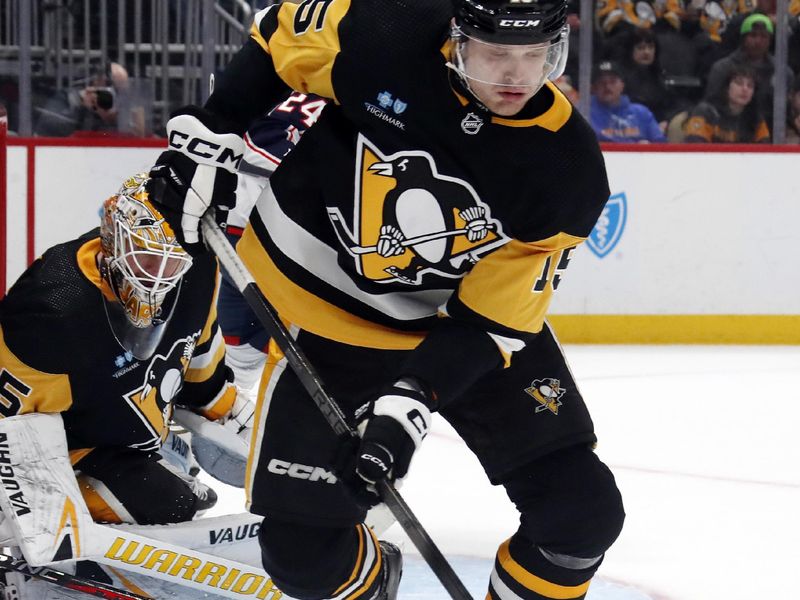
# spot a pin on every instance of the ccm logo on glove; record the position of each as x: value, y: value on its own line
x: 186, y: 135
x: 396, y: 423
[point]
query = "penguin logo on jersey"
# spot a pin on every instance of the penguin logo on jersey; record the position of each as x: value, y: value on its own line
x: 547, y: 392
x: 163, y: 380
x: 410, y: 220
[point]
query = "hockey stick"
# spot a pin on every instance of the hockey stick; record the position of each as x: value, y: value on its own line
x: 65, y: 580
x: 311, y: 381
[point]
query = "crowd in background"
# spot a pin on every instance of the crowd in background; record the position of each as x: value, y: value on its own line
x: 664, y: 71
x: 687, y: 71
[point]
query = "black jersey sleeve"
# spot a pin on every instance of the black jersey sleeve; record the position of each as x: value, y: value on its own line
x: 208, y: 384
x: 247, y: 88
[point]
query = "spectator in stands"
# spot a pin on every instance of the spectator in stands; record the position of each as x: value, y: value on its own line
x: 614, y: 19
x: 732, y: 114
x: 793, y: 113
x: 756, y: 36
x: 714, y: 38
x: 102, y: 104
x: 673, y: 29
x: 614, y: 117
x: 644, y: 78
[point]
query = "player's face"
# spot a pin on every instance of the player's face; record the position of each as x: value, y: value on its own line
x: 505, y: 77
x: 149, y: 269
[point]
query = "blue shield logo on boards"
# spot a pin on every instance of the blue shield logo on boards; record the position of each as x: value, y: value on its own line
x: 609, y: 227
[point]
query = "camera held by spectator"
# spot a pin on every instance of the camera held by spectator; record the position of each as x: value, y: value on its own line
x: 99, y: 103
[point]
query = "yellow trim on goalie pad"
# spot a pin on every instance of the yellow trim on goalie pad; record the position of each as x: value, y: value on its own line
x: 677, y: 329
x: 129, y: 585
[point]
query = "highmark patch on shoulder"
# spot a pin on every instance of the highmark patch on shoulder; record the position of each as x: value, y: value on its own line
x: 609, y: 227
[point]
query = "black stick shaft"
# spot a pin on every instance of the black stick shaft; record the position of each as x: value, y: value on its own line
x: 65, y: 580
x: 311, y: 381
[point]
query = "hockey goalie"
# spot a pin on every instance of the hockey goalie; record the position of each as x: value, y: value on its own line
x: 100, y: 339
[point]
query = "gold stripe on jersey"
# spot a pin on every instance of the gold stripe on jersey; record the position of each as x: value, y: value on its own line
x: 501, y: 285
x: 305, y: 43
x: 27, y: 390
x: 206, y: 364
x: 359, y: 558
x: 273, y: 368
x: 552, y: 119
x: 313, y: 313
x: 87, y: 263
x: 367, y: 567
x: 536, y: 584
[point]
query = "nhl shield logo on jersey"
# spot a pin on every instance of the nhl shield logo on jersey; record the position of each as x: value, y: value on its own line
x: 471, y: 124
x: 410, y: 220
x: 547, y: 392
x: 608, y: 230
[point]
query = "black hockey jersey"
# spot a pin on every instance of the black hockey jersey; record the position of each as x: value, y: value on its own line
x: 59, y: 354
x: 404, y: 152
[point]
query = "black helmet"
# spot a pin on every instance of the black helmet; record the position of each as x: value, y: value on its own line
x: 512, y: 21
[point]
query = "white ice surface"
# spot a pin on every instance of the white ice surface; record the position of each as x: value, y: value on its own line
x: 704, y: 444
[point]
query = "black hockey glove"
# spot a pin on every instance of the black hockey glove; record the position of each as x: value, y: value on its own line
x: 393, y: 428
x: 198, y: 171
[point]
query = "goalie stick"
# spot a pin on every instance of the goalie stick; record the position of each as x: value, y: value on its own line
x: 65, y: 580
x: 311, y: 381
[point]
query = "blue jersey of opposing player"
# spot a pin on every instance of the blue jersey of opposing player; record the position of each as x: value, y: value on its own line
x: 267, y: 141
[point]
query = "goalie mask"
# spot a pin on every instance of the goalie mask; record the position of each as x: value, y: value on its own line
x: 142, y: 263
x: 511, y: 45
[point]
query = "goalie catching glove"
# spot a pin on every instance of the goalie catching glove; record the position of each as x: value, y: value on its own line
x: 393, y: 427
x: 197, y: 172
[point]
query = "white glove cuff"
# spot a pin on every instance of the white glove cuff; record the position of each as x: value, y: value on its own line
x: 412, y: 414
x: 189, y: 136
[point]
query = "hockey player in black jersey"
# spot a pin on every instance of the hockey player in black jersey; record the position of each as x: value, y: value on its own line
x: 267, y: 142
x: 334, y: 243
x: 112, y: 330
